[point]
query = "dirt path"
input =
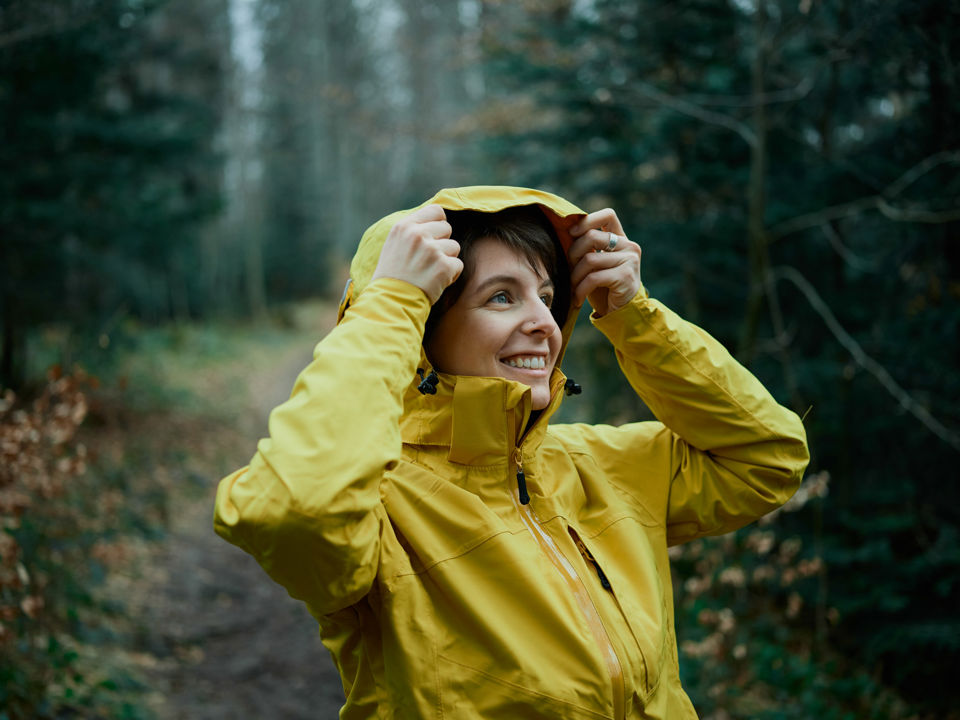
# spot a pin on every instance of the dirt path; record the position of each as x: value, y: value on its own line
x: 223, y: 640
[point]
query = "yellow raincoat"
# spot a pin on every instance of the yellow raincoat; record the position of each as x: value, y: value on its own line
x: 395, y: 515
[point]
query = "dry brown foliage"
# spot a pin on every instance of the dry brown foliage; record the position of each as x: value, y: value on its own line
x: 39, y: 458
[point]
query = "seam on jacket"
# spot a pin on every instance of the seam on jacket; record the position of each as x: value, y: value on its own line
x: 463, y: 550
x: 419, y: 463
x: 316, y: 521
x: 578, y: 526
x: 727, y: 393
x: 616, y: 486
x: 606, y: 527
x: 522, y: 688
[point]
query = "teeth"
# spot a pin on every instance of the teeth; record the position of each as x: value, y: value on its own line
x: 529, y: 363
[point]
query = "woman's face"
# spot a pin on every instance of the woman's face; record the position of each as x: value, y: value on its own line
x: 501, y: 325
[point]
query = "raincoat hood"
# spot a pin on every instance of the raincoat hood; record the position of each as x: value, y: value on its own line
x: 484, y: 198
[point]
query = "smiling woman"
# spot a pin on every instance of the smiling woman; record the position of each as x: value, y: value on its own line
x: 464, y: 557
x: 499, y: 319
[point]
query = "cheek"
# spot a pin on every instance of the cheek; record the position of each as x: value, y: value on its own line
x: 555, y: 342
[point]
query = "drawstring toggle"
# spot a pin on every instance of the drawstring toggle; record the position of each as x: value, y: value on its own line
x: 428, y: 384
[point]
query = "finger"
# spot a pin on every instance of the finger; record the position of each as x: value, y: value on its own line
x: 593, y: 262
x: 605, y: 219
x: 450, y: 248
x: 592, y: 241
x: 456, y: 266
x: 427, y: 213
x: 451, y: 268
x: 435, y: 229
x: 600, y: 279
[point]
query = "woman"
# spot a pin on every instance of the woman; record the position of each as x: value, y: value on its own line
x: 463, y: 558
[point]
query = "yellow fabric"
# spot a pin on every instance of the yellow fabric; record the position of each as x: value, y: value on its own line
x: 394, y: 515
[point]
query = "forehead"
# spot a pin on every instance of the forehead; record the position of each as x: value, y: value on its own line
x: 490, y: 256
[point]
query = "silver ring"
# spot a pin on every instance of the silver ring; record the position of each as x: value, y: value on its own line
x: 612, y: 242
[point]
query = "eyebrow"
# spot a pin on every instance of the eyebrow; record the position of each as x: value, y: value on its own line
x: 511, y: 280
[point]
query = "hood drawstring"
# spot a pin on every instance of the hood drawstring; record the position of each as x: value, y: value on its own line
x: 428, y: 384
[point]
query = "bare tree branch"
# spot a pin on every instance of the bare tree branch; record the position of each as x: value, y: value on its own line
x: 863, y: 360
x: 856, y: 207
x: 799, y: 92
x: 917, y: 215
x: 849, y: 257
x: 825, y: 215
x: 919, y: 170
x: 32, y: 32
x: 24, y: 34
x: 879, y: 202
x: 695, y: 111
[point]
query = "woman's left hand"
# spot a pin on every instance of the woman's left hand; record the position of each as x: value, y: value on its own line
x: 606, y: 265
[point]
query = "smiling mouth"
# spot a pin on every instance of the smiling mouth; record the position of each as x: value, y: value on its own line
x: 526, y: 362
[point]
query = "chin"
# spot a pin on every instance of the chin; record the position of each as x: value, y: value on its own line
x: 540, y: 398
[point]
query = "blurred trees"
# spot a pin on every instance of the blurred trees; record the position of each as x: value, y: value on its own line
x: 171, y: 159
x: 106, y: 165
x: 789, y: 166
x: 791, y: 171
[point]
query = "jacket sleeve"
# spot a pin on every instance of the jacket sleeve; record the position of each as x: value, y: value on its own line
x: 726, y: 452
x: 308, y: 505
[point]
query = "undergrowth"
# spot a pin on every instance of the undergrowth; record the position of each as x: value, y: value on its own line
x: 92, y: 467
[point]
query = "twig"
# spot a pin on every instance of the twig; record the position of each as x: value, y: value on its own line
x: 879, y: 202
x: 865, y: 361
x: 688, y: 108
x: 849, y: 257
x: 919, y: 170
x: 919, y: 215
x: 799, y: 92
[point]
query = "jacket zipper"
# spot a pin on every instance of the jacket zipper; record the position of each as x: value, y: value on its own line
x: 605, y: 583
x: 588, y: 556
x: 575, y: 583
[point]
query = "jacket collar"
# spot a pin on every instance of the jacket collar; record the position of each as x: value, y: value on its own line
x: 480, y: 420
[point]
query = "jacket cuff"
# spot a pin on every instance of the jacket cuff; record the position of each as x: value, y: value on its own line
x: 614, y: 323
x: 383, y: 293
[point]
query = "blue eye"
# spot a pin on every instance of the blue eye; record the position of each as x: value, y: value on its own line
x: 547, y: 300
x: 500, y: 298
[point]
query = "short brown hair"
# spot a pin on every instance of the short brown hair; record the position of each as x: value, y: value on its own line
x: 526, y: 231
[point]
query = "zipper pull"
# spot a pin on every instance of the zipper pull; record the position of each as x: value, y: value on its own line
x: 521, y: 478
x: 522, y: 487
x: 604, y: 583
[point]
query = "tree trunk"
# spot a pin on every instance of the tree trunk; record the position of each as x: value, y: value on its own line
x: 756, y: 198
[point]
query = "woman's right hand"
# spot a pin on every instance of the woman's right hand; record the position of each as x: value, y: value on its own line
x: 419, y: 250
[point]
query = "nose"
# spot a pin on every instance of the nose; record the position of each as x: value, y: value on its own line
x: 541, y: 321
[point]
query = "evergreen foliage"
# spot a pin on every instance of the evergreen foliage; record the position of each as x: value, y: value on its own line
x: 106, y: 171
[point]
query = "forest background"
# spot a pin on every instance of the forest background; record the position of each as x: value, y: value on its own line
x: 171, y: 168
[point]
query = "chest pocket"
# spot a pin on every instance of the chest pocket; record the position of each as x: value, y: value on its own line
x: 433, y: 518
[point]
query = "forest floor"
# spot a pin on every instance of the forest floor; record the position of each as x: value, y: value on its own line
x: 212, y: 637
